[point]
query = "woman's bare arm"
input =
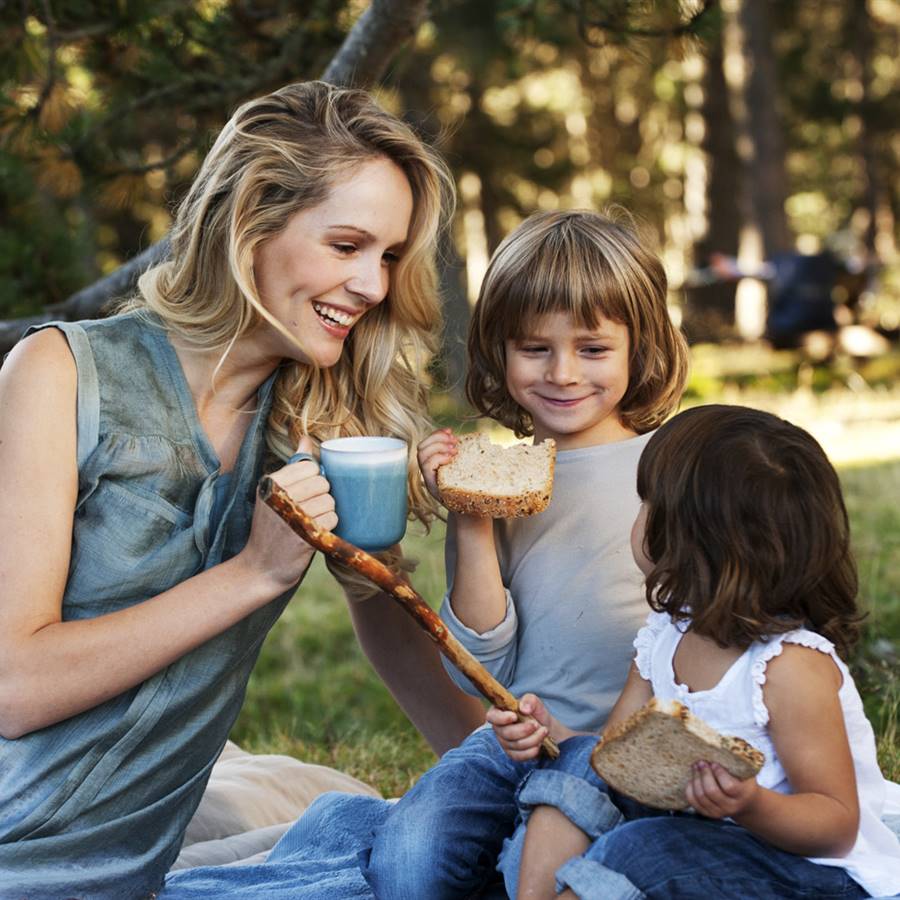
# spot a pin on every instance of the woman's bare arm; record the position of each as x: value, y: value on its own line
x: 408, y: 662
x: 51, y: 669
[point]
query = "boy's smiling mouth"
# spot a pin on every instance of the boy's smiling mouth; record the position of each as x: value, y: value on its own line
x: 562, y: 402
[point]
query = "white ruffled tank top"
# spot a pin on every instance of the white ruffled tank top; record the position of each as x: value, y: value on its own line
x: 736, y: 706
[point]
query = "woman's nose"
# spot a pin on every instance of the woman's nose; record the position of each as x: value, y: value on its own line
x: 370, y: 280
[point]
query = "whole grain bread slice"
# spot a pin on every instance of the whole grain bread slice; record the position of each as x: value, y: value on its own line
x: 486, y: 479
x: 649, y: 756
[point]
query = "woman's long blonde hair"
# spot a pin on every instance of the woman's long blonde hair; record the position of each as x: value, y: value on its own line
x: 277, y: 155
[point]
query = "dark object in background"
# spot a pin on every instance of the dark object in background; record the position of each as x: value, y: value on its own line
x: 801, y: 297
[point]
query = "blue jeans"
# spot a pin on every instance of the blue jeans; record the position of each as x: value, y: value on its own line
x: 642, y: 852
x: 441, y: 840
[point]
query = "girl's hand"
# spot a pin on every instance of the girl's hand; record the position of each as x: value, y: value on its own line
x: 273, y: 548
x: 716, y: 793
x: 521, y: 740
x: 436, y: 450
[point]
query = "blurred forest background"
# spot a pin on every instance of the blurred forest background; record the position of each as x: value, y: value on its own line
x: 757, y: 129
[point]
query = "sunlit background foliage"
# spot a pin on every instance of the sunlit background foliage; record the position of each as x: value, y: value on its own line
x: 743, y: 126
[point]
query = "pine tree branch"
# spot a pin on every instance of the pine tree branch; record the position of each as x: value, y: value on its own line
x: 361, y: 60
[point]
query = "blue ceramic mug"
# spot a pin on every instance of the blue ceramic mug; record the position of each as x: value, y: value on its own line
x: 368, y: 478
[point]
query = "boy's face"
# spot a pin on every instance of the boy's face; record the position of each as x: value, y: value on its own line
x: 571, y: 380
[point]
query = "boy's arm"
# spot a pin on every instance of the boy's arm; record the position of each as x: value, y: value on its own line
x: 478, y: 596
x: 821, y: 817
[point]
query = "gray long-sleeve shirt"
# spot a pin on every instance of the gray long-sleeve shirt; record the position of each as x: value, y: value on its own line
x: 574, y: 594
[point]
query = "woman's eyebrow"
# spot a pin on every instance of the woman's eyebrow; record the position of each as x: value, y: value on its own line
x: 355, y: 229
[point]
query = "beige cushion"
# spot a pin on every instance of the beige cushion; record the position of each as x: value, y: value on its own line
x: 250, y: 801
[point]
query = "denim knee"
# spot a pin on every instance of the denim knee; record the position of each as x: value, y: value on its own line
x: 570, y: 785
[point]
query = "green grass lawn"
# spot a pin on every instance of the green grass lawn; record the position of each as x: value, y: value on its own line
x: 314, y: 696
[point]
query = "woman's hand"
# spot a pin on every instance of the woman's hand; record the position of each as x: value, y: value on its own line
x: 521, y: 740
x: 273, y: 548
x: 436, y: 450
x: 714, y: 792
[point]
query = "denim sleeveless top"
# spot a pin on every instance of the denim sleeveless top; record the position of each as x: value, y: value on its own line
x: 96, y: 806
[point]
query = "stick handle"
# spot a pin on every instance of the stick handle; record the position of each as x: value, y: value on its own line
x: 377, y: 572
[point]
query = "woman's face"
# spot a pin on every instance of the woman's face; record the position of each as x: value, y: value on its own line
x: 332, y: 263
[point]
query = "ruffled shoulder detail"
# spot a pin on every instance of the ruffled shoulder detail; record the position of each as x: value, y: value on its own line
x: 646, y: 639
x: 766, y: 651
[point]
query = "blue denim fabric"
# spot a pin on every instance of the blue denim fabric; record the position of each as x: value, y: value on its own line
x: 316, y: 858
x: 654, y: 854
x: 442, y: 839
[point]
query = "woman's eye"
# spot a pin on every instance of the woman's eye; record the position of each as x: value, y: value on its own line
x: 345, y: 249
x: 390, y: 258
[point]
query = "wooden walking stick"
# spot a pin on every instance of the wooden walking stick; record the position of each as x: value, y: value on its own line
x: 378, y: 573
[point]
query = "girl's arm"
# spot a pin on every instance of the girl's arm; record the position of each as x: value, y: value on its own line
x: 51, y: 669
x: 635, y: 694
x: 821, y: 817
x: 478, y: 597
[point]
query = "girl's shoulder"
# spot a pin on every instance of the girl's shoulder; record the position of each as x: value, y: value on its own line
x: 659, y: 628
x: 775, y: 663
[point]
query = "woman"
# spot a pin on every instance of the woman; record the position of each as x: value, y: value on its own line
x: 138, y: 572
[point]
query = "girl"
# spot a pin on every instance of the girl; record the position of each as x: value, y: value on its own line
x: 138, y: 576
x: 570, y: 340
x: 743, y: 538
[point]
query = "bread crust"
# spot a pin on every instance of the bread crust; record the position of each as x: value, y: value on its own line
x: 496, y: 505
x: 649, y: 756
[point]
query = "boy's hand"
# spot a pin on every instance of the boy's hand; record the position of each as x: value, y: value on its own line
x: 436, y: 450
x: 521, y: 740
x: 716, y: 793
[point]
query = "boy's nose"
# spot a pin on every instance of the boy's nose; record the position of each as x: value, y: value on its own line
x: 562, y: 370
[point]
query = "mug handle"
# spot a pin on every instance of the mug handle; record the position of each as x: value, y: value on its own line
x: 300, y: 457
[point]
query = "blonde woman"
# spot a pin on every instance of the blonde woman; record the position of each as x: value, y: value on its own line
x: 138, y: 572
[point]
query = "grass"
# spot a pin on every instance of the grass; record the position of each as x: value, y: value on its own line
x: 314, y: 696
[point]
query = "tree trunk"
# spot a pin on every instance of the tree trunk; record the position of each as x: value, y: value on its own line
x: 767, y: 171
x: 361, y: 60
x: 710, y: 308
x: 863, y: 41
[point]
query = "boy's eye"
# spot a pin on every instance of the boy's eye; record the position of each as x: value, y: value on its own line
x: 594, y: 351
x: 532, y: 348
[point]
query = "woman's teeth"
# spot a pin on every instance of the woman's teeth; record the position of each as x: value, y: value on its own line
x: 333, y: 315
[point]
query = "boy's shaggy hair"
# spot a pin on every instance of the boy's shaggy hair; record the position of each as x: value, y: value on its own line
x: 586, y: 265
x: 746, y: 528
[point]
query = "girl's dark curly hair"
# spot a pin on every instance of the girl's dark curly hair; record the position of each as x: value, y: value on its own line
x: 746, y: 528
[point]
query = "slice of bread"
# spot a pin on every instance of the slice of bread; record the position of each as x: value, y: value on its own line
x: 485, y: 479
x: 648, y: 757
